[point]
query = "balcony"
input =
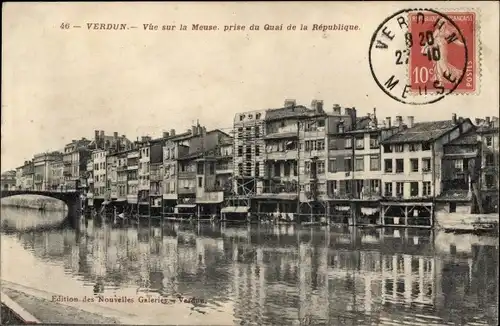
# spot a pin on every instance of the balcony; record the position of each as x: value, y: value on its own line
x: 133, y: 182
x: 186, y: 190
x: 282, y: 156
x: 121, y: 168
x: 224, y: 169
x: 132, y: 167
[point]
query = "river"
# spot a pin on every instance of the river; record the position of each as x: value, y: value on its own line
x: 257, y: 275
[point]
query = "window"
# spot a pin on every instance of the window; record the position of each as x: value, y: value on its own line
x: 257, y: 169
x: 490, y: 159
x: 489, y: 180
x: 399, y: 148
x: 374, y: 185
x: 277, y: 169
x: 212, y: 168
x: 332, y: 165
x: 414, y: 147
x: 453, y: 207
x: 240, y: 132
x: 360, y: 143
x: 321, y: 123
x: 347, y: 164
x: 257, y: 150
x: 257, y: 132
x: 359, y: 164
x: 240, y: 168
x: 400, y: 165
x: 459, y: 165
x: 489, y: 140
x: 388, y: 165
x: 348, y: 143
x: 400, y: 188
x: 257, y: 116
x: 374, y: 141
x: 321, y: 167
x: 414, y: 189
x: 250, y: 116
x: 426, y: 188
x: 286, y: 171
x: 388, y: 189
x: 320, y: 146
x: 374, y: 163
x: 387, y: 149
x: 242, y: 116
x: 414, y: 164
x: 426, y: 164
x: 426, y: 146
x: 295, y: 169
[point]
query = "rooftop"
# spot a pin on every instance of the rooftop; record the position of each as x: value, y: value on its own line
x: 289, y: 112
x: 421, y: 132
x: 469, y: 138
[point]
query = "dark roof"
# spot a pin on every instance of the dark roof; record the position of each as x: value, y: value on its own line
x: 421, y: 132
x: 469, y: 138
x: 487, y: 129
x: 290, y: 112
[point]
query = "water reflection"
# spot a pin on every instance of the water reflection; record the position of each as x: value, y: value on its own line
x: 263, y: 275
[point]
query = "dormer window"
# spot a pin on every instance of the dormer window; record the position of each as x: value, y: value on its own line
x: 257, y: 116
x: 250, y: 117
x: 242, y: 116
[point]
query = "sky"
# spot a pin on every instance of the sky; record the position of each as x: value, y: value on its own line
x: 62, y: 84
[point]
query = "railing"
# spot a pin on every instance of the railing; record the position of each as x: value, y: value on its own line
x: 187, y: 175
x: 186, y: 190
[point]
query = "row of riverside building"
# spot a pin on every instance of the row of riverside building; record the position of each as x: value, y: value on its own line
x: 292, y: 163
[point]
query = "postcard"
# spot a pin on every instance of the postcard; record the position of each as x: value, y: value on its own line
x: 250, y: 163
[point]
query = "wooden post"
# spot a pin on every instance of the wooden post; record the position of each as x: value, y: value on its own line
x: 406, y: 215
x: 382, y: 215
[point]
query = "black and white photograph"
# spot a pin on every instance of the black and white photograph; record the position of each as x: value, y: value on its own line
x: 250, y: 163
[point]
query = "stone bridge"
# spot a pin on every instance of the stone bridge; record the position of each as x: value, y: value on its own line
x: 72, y: 200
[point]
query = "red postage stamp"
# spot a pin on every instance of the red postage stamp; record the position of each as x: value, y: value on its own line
x: 445, y: 52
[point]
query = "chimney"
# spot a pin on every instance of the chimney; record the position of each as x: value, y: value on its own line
x: 102, y: 135
x: 204, y: 131
x: 454, y: 118
x: 172, y: 132
x: 337, y: 110
x: 388, y: 122
x: 194, y: 130
x: 410, y: 121
x: 477, y: 121
x: 96, y: 136
x: 165, y: 134
x: 488, y: 121
x: 200, y: 130
x: 144, y: 139
x: 399, y: 121
x: 290, y: 103
x: 317, y: 105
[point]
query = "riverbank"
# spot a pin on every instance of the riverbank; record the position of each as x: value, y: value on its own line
x: 48, y: 312
x: 34, y: 202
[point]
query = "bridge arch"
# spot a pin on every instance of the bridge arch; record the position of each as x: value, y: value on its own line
x: 72, y: 200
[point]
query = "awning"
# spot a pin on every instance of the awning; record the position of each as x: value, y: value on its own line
x: 235, y: 209
x: 185, y: 206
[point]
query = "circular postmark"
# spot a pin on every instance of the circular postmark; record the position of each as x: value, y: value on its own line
x: 418, y: 56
